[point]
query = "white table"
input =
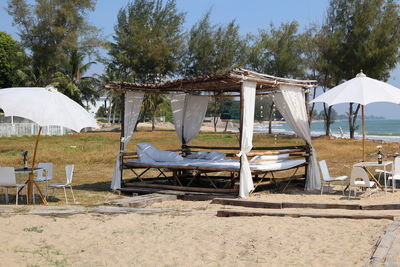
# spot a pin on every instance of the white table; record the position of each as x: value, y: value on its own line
x: 375, y: 164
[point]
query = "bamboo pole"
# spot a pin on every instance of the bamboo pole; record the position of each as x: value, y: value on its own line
x: 363, y: 132
x: 31, y: 182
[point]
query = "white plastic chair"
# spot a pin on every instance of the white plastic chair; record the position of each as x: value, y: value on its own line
x: 69, y: 172
x: 327, y: 178
x: 47, y: 169
x: 8, y: 180
x: 392, y: 175
x: 359, y: 178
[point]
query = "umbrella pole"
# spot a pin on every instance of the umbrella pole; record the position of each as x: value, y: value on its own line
x: 363, y: 132
x: 31, y: 182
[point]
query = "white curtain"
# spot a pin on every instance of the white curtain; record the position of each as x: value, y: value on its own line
x: 188, y: 112
x: 248, y: 96
x: 133, y: 103
x: 290, y: 101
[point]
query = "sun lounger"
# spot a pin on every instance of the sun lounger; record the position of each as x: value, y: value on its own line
x: 203, y: 164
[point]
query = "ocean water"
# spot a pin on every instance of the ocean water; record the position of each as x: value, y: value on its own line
x: 387, y: 130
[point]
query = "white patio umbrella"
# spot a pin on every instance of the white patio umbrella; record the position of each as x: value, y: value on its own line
x: 361, y: 90
x: 44, y: 106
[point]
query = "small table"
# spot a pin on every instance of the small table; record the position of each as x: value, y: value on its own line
x: 26, y: 170
x: 384, y: 164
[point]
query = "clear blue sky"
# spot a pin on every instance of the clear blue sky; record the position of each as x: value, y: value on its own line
x: 249, y: 15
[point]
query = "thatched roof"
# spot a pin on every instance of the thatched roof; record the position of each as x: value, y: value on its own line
x: 226, y: 82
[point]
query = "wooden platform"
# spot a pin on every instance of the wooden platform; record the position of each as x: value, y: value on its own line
x: 182, y: 195
x: 285, y: 205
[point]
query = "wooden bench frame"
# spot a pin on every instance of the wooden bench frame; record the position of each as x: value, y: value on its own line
x: 202, y: 173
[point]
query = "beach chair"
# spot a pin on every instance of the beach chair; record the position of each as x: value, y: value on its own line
x: 327, y: 178
x: 392, y: 175
x: 45, y: 175
x: 8, y: 180
x: 69, y: 172
x: 359, y: 179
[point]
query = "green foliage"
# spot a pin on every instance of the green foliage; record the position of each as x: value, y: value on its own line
x: 148, y: 41
x: 64, y: 83
x: 361, y: 34
x: 52, y: 31
x: 213, y: 49
x: 12, y: 60
x: 278, y: 51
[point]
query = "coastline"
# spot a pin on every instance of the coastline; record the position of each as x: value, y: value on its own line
x: 278, y: 127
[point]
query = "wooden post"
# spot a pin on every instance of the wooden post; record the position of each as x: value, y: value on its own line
x: 121, y: 144
x: 363, y: 132
x: 31, y: 181
x: 241, y: 126
x: 308, y: 146
x: 307, y: 99
x: 184, y: 145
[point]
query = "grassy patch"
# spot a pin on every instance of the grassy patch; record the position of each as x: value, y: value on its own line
x: 36, y: 229
x: 93, y: 155
x: 216, y: 137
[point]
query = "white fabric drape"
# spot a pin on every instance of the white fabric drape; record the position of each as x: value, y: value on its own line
x: 248, y: 97
x: 188, y: 112
x: 133, y: 103
x: 290, y: 101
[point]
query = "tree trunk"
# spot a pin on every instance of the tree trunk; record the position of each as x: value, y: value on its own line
x: 215, y: 121
x: 153, y: 121
x: 114, y: 114
x: 226, y: 126
x: 312, y: 106
x: 327, y: 120
x: 109, y: 112
x: 271, y: 116
x: 353, y: 119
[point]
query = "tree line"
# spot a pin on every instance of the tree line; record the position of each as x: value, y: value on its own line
x: 149, y: 44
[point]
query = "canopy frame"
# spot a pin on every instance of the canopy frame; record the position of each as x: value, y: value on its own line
x: 219, y: 85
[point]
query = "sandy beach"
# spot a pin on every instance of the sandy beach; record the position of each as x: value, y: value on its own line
x: 187, y: 234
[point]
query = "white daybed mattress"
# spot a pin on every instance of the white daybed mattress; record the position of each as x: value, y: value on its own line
x: 233, y: 165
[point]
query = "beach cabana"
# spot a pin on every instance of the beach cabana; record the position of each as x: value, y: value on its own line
x: 189, y: 99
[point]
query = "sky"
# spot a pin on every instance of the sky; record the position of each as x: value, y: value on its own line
x: 249, y: 15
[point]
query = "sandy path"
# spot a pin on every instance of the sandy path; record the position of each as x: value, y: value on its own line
x: 190, y: 235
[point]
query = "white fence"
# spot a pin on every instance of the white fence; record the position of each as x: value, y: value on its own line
x: 8, y: 129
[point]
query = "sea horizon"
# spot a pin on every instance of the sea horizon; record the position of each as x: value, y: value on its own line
x: 375, y: 129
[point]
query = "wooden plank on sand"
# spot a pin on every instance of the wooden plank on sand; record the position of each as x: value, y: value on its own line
x: 183, y: 188
x: 247, y: 203
x: 381, y: 207
x: 279, y: 205
x: 387, y: 248
x: 321, y: 206
x: 232, y: 213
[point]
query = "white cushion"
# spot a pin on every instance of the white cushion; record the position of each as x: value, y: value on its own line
x: 215, y: 155
x: 270, y: 157
x: 361, y: 183
x: 146, y: 152
x: 197, y: 155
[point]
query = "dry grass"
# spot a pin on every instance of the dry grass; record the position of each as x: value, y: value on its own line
x: 93, y: 155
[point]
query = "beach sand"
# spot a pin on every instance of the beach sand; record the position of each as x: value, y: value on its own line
x: 188, y: 234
